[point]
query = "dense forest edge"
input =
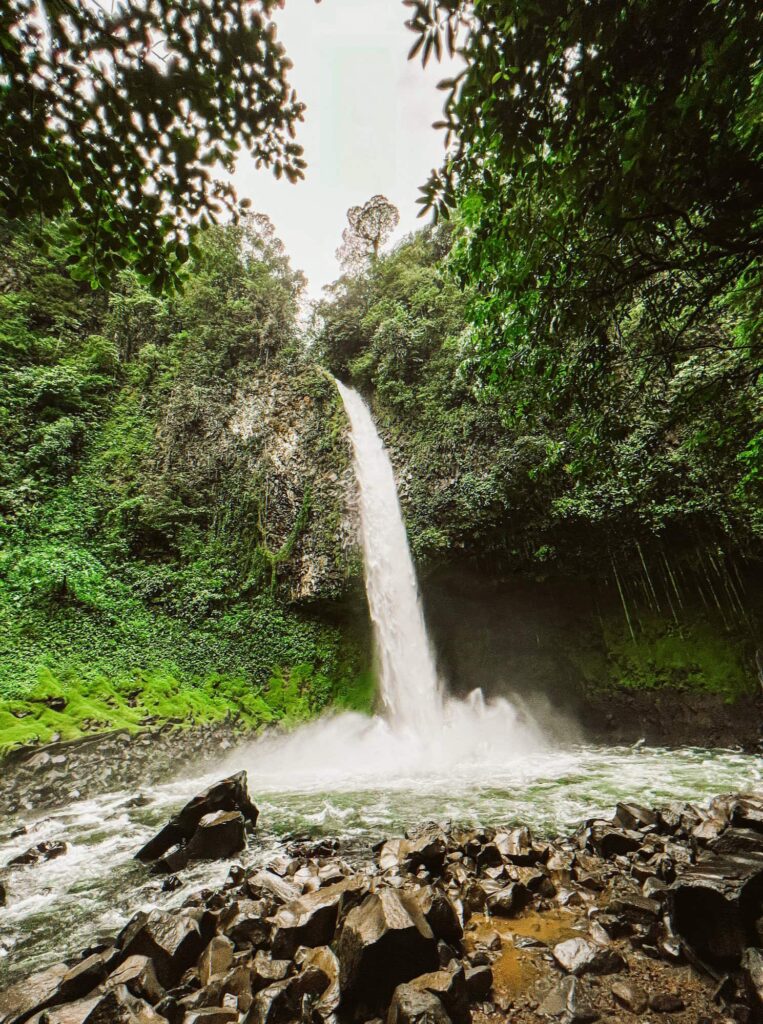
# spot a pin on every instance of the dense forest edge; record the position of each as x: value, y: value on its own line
x: 565, y: 364
x: 179, y: 537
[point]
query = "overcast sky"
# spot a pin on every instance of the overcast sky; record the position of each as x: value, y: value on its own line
x: 367, y: 127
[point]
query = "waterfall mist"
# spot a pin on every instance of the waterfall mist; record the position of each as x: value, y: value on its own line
x: 419, y: 729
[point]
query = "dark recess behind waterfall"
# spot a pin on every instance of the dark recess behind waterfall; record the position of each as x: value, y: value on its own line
x: 515, y: 635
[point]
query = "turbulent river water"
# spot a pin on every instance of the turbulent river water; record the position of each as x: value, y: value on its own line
x: 423, y: 758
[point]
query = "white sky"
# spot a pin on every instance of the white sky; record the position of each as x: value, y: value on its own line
x: 367, y: 127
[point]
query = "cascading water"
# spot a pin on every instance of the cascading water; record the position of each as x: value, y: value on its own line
x: 408, y: 683
x: 427, y: 757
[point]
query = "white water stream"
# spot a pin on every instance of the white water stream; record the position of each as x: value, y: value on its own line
x: 425, y: 757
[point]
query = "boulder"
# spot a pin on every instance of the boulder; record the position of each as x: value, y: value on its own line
x: 216, y: 958
x: 319, y: 971
x: 634, y: 816
x: 172, y: 941
x: 212, y: 1015
x: 666, y: 1002
x: 267, y: 885
x: 479, y: 981
x: 384, y: 942
x: 450, y: 988
x: 579, y: 956
x: 516, y: 846
x: 34, y: 993
x: 245, y: 924
x: 266, y: 971
x: 229, y: 795
x: 138, y: 976
x: 311, y: 920
x: 568, y: 1000
x: 411, y: 1005
x: 509, y: 900
x: 713, y: 906
x: 441, y: 915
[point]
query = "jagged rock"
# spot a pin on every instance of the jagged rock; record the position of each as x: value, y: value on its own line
x: 384, y: 942
x: 312, y: 919
x: 219, y: 835
x: 173, y: 941
x: 569, y: 1000
x: 245, y: 924
x: 578, y: 956
x: 83, y: 977
x: 508, y: 901
x: 138, y: 976
x: 517, y: 846
x: 713, y: 905
x: 267, y: 885
x: 630, y: 996
x: 319, y: 968
x: 634, y: 907
x: 3, y: 894
x: 277, y: 1003
x: 216, y: 958
x: 441, y: 915
x: 479, y: 981
x: 634, y: 816
x: 40, y: 852
x: 32, y: 994
x: 265, y: 970
x: 611, y: 842
x: 229, y: 795
x: 450, y: 988
x: 747, y: 812
x: 411, y: 1005
x: 118, y: 1006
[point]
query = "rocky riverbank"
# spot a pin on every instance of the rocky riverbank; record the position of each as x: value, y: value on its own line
x: 56, y: 774
x: 652, y: 915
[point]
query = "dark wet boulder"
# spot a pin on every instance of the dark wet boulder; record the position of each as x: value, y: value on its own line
x: 3, y: 894
x: 479, y: 981
x: 632, y: 906
x: 714, y: 905
x: 265, y: 970
x: 568, y: 1000
x: 666, y: 1002
x: 245, y: 924
x: 268, y: 885
x: 138, y: 976
x: 579, y: 956
x: 216, y: 958
x: 230, y: 795
x: 219, y: 835
x: 517, y: 846
x: 311, y: 920
x: 83, y: 977
x: 172, y: 941
x: 40, y: 852
x: 412, y: 1005
x: 509, y: 900
x: 610, y: 842
x: 319, y: 972
x: 634, y: 817
x: 449, y: 986
x: 34, y: 993
x: 441, y: 915
x: 384, y: 942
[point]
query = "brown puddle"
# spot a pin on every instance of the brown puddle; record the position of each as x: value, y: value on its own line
x: 517, y: 970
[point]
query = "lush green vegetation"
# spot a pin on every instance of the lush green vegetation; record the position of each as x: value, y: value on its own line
x: 146, y: 539
x: 119, y: 116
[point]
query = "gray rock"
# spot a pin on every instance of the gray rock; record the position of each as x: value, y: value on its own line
x: 173, y: 941
x: 312, y: 919
x: 578, y: 956
x: 384, y: 942
x: 412, y: 1005
x: 138, y: 976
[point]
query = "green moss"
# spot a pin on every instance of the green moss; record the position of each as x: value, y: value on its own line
x: 698, y: 655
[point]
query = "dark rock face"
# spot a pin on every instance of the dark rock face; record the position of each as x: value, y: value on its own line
x: 210, y: 826
x: 384, y: 942
x: 172, y: 941
x: 312, y: 919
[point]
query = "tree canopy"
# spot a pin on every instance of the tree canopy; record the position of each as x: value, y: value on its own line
x: 600, y: 155
x: 120, y: 117
x: 369, y: 227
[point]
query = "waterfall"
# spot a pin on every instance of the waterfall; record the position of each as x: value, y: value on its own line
x: 408, y: 683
